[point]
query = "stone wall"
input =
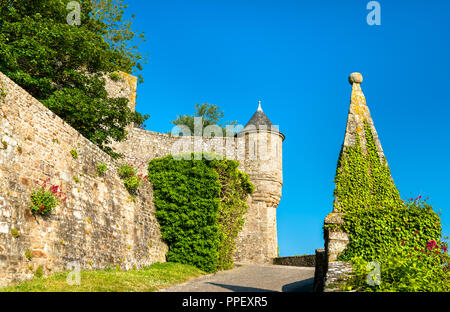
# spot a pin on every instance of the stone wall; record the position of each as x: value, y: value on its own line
x: 257, y: 242
x: 303, y: 261
x: 99, y: 225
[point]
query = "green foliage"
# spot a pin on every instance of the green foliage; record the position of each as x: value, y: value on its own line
x: 132, y: 184
x: 15, y: 233
x: 115, y: 76
x: 43, y: 201
x: 403, y: 269
x: 63, y: 66
x: 385, y: 229
x: 101, y: 169
x: 3, y: 93
x: 131, y: 179
x: 376, y: 231
x: 126, y: 170
x: 45, y: 198
x: 28, y: 254
x: 74, y: 153
x: 199, y: 206
x: 211, y: 115
x: 235, y: 187
x: 363, y: 180
x: 120, y: 34
x: 39, y: 272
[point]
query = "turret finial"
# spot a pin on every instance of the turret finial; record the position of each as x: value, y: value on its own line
x: 259, y: 107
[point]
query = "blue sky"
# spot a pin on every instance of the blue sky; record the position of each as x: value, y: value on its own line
x: 295, y: 56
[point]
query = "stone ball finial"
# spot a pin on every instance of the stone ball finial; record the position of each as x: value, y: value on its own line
x: 355, y: 78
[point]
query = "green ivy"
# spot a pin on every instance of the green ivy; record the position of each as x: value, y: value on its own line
x: 374, y: 232
x: 363, y: 180
x: 200, y: 206
x: 235, y: 187
x: 382, y: 227
x: 101, y: 169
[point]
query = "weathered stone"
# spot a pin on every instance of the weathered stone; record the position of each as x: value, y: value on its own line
x: 54, y: 241
x: 335, y: 239
x: 121, y: 231
x: 303, y: 261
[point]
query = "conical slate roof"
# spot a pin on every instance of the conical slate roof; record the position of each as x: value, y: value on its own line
x: 259, y: 119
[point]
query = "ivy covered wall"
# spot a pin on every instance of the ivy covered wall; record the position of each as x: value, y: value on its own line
x: 200, y: 206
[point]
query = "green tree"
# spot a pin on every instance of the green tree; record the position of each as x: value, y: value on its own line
x: 211, y: 115
x: 64, y: 65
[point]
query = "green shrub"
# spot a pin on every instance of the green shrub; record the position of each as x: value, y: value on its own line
x: 101, y: 169
x: 378, y: 230
x: 385, y: 229
x: 132, y: 183
x: 39, y: 272
x: 45, y: 198
x: 199, y: 206
x: 74, y: 153
x: 28, y: 254
x: 15, y: 233
x: 126, y: 171
x: 115, y: 76
x: 405, y: 269
x: 407, y: 244
x: 132, y: 180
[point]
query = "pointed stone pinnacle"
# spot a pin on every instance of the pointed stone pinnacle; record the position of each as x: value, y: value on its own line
x: 359, y: 116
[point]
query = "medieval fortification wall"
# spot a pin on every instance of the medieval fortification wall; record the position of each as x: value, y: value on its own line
x: 100, y: 224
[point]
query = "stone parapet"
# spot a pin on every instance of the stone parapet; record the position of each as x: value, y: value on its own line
x: 336, y: 240
x: 303, y: 261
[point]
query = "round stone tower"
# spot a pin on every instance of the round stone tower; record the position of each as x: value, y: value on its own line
x: 262, y: 160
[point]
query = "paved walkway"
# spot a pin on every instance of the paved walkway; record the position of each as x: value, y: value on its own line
x: 252, y: 278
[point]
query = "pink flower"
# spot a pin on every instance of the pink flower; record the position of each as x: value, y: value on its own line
x: 431, y: 244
